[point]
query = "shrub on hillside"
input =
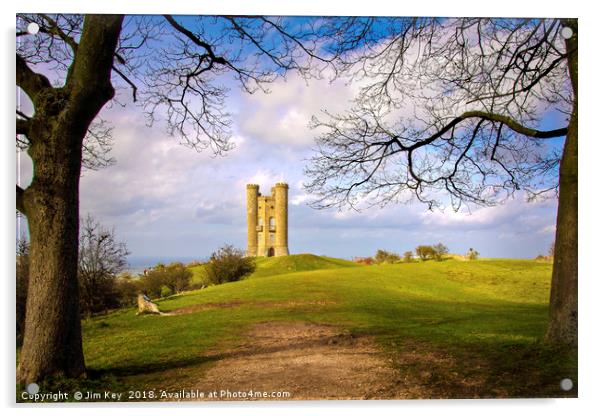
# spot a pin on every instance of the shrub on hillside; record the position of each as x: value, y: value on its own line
x: 472, y: 254
x: 165, y: 280
x: 439, y: 251
x: 177, y: 277
x: 228, y: 264
x: 384, y: 256
x: 364, y: 260
x: 368, y: 261
x: 425, y: 252
x: 152, y: 283
x: 408, y: 257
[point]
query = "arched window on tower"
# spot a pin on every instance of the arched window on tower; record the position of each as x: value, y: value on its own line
x: 272, y: 223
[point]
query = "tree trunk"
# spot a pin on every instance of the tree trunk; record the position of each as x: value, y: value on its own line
x: 52, y: 342
x: 562, y: 328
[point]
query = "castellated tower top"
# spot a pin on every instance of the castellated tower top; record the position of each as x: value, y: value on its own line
x: 267, y: 221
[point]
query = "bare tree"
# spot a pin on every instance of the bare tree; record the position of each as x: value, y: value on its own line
x: 439, y: 251
x: 452, y: 108
x: 101, y: 259
x: 174, y: 68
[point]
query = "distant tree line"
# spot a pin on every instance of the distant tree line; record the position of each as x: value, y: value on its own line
x: 436, y: 252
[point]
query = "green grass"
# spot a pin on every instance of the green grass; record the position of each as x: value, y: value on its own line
x: 486, y: 316
x: 270, y: 266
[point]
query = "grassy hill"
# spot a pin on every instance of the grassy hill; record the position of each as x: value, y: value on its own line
x: 485, y: 317
x: 270, y: 266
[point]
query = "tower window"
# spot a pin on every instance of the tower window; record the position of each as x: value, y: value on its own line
x: 272, y: 222
x: 260, y: 222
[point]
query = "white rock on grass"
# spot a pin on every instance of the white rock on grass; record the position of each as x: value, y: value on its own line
x: 145, y: 306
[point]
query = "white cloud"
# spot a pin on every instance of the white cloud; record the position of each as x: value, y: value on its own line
x: 283, y: 115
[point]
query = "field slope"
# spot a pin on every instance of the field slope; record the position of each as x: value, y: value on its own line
x: 269, y: 266
x: 449, y: 329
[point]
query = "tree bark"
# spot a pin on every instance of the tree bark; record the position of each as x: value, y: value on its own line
x: 562, y: 328
x: 52, y: 342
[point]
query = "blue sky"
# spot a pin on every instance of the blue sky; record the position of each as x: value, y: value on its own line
x: 166, y: 200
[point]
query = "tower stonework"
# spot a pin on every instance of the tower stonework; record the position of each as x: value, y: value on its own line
x: 267, y: 221
x: 252, y: 194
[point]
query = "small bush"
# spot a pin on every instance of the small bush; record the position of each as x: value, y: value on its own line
x: 384, y: 256
x: 472, y: 254
x: 425, y: 252
x: 165, y: 280
x: 177, y: 277
x: 542, y: 258
x: 364, y: 260
x: 152, y: 283
x: 408, y: 257
x: 228, y: 264
x: 439, y: 251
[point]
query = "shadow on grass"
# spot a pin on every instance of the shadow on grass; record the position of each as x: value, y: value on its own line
x: 482, y: 370
x: 127, y: 370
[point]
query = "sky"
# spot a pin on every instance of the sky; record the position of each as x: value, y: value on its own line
x: 165, y: 200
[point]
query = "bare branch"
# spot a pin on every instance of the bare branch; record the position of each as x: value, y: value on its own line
x: 448, y: 108
x: 55, y: 29
x: 509, y: 122
x: 195, y: 39
x: 128, y: 81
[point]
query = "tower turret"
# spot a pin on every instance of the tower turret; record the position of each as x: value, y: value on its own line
x: 252, y: 194
x: 281, y: 210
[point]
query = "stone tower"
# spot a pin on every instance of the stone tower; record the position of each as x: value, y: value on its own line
x: 267, y: 221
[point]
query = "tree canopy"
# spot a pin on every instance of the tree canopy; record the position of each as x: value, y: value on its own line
x: 450, y: 111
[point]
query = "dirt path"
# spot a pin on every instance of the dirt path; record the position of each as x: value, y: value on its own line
x: 309, y: 361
